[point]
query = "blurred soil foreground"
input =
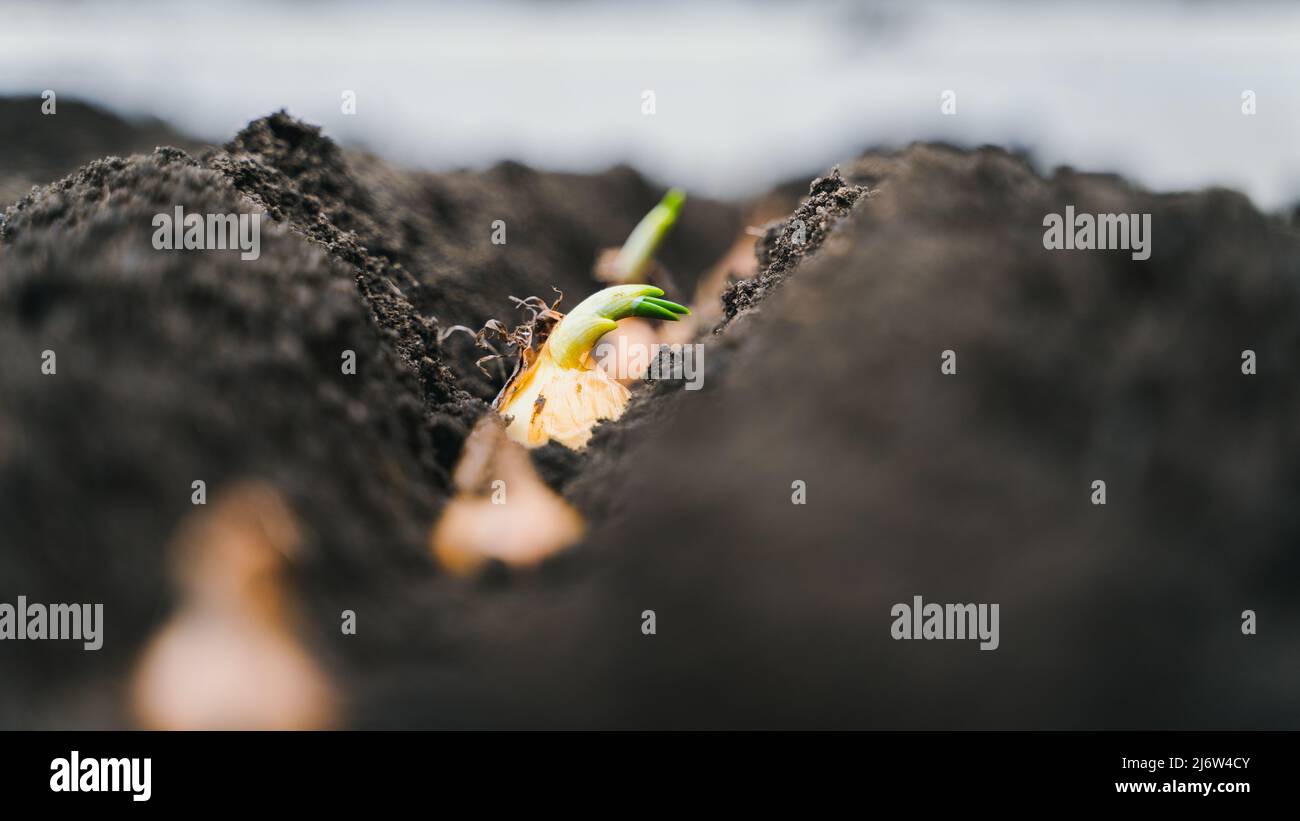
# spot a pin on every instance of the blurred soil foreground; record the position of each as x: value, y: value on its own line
x: 821, y: 366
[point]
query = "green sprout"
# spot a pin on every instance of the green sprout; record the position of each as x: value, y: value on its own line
x: 638, y: 251
x: 599, y: 313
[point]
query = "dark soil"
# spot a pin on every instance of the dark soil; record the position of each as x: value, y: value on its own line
x: 786, y: 242
x: 973, y: 487
x: 40, y: 148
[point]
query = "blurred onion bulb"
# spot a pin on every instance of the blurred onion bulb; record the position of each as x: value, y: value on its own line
x: 230, y: 657
x: 557, y: 392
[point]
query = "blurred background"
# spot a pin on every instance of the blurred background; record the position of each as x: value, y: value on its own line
x: 559, y: 84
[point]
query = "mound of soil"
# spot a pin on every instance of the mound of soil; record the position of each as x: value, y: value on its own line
x: 40, y: 148
x: 973, y: 487
x: 173, y: 367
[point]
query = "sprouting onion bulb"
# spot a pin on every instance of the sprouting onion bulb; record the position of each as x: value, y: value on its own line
x: 639, y: 249
x: 562, y: 394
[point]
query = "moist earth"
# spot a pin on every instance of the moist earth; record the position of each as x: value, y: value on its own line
x: 825, y: 370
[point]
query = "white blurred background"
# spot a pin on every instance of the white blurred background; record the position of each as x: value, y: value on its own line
x: 747, y: 93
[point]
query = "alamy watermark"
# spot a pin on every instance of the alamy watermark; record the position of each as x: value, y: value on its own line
x: 208, y: 232
x: 623, y: 359
x: 920, y: 620
x: 1102, y: 232
x: 54, y: 622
